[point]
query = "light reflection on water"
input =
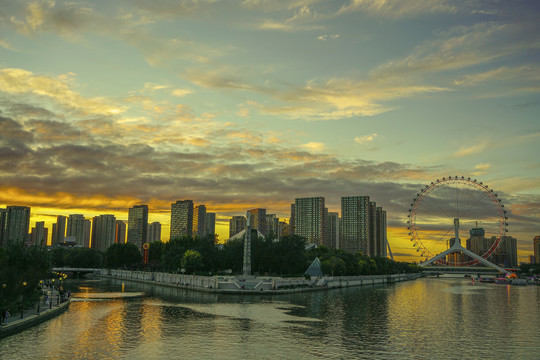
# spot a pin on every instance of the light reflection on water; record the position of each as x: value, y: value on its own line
x: 423, y: 319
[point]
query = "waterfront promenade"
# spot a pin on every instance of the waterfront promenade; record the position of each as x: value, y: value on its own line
x: 37, y: 314
x: 252, y: 284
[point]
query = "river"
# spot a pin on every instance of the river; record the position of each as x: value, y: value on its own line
x: 428, y: 318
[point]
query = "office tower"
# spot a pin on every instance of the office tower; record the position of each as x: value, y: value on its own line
x: 310, y: 218
x: 258, y: 220
x: 536, y: 246
x: 137, y: 225
x: 199, y: 220
x: 59, y: 230
x: 354, y: 227
x: 154, y: 232
x: 236, y: 225
x: 508, y: 250
x: 39, y: 233
x: 272, y: 225
x: 372, y: 228
x: 120, y: 232
x: 532, y: 259
x: 380, y: 240
x: 76, y: 228
x: 332, y: 230
x: 477, y: 241
x: 3, y: 216
x: 210, y: 223
x: 103, y: 232
x: 17, y: 224
x: 284, y: 229
x: 291, y: 220
x: 181, y: 218
x: 87, y: 227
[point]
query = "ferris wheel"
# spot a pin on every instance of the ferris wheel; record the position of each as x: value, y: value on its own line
x: 456, y: 208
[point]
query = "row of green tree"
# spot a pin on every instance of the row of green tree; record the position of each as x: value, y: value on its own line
x: 21, y: 270
x: 286, y: 257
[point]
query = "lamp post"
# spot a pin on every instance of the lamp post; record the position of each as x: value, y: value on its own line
x: 52, y: 294
x: 22, y: 299
x: 40, y: 294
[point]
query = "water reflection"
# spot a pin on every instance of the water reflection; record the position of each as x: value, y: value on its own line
x: 423, y: 319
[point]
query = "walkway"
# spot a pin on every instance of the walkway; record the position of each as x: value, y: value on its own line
x: 36, y: 315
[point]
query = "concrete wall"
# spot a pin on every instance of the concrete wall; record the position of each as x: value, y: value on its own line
x: 251, y: 284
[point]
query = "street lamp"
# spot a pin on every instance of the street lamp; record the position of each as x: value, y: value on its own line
x: 22, y: 299
x: 40, y: 294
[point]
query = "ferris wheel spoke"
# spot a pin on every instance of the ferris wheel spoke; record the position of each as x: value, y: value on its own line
x: 475, y: 204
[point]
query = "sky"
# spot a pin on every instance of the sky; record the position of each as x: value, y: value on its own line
x: 244, y: 104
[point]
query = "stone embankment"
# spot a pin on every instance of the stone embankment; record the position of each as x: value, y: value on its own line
x: 251, y: 284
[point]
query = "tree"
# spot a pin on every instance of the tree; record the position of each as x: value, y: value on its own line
x: 20, y: 264
x: 192, y: 261
x: 122, y: 256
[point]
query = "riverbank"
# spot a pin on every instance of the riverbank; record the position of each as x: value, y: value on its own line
x: 251, y: 284
x: 31, y: 318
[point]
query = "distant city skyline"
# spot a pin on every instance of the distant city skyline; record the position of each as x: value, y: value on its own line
x: 240, y: 105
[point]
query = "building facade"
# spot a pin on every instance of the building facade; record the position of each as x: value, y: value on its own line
x: 210, y: 223
x: 258, y: 220
x: 354, y: 227
x: 103, y: 232
x: 199, y: 220
x: 58, y: 230
x: 137, y: 225
x: 310, y: 218
x: 236, y: 225
x: 182, y: 218
x: 154, y: 232
x: 120, y: 232
x: 77, y: 229
x: 332, y: 230
x: 39, y: 233
x: 272, y: 225
x: 17, y: 224
x: 381, y: 245
x: 536, y: 246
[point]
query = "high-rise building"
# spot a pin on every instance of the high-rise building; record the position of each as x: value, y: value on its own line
x: 17, y: 224
x: 103, y: 232
x: 272, y: 225
x: 477, y: 241
x: 120, y: 232
x: 210, y: 223
x: 199, y: 220
x: 137, y: 225
x: 291, y: 220
x: 59, y: 230
x: 258, y: 220
x: 154, y: 232
x: 3, y: 217
x: 87, y: 227
x: 354, y: 227
x: 182, y: 218
x: 284, y: 229
x: 39, y: 233
x: 536, y: 246
x: 372, y: 228
x: 507, y: 252
x: 236, y: 225
x: 76, y: 228
x: 332, y: 230
x: 310, y: 219
x: 380, y: 239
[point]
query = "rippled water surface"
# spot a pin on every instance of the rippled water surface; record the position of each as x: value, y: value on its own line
x: 430, y: 318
